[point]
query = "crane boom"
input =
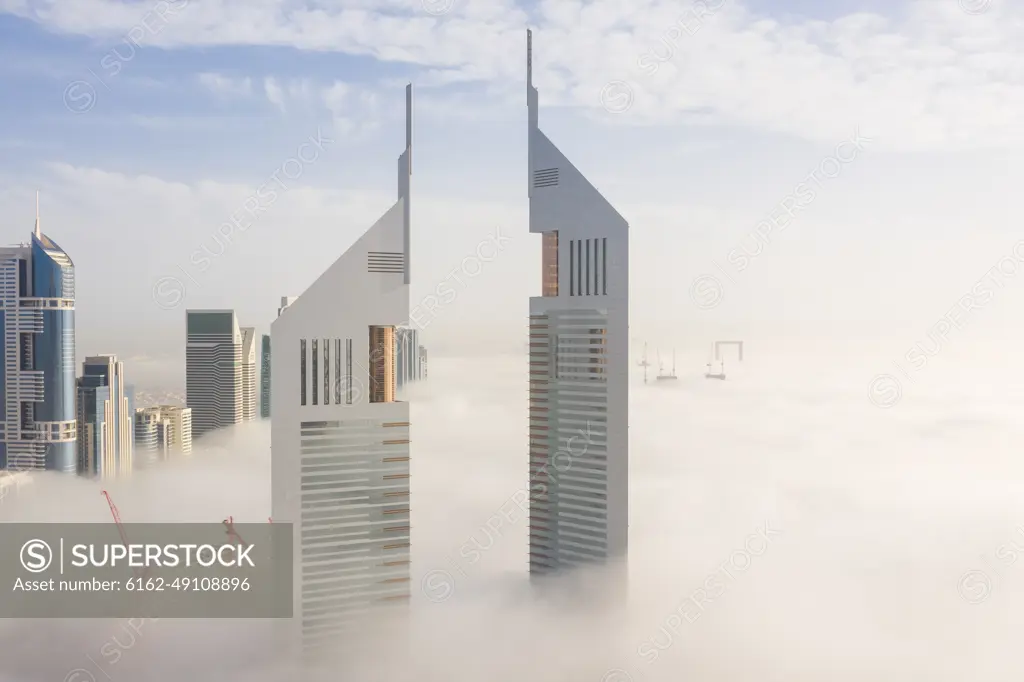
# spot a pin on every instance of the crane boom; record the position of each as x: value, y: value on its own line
x: 120, y: 529
x: 229, y: 524
x: 117, y: 518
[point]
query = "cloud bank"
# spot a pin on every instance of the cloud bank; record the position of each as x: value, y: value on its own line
x: 782, y: 526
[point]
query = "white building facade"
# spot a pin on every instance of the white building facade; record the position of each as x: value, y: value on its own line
x: 213, y: 370
x: 579, y: 363
x: 340, y: 439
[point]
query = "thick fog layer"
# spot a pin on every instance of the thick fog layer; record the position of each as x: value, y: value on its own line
x: 799, y: 521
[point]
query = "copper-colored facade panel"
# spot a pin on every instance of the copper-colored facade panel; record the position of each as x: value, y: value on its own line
x: 382, y: 365
x: 598, y: 352
x: 549, y: 264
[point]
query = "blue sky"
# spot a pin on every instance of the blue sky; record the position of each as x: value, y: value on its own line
x: 750, y: 99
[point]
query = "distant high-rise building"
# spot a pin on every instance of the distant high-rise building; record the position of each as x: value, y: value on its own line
x: 423, y: 363
x: 579, y: 362
x: 106, y: 411
x: 38, y: 427
x: 171, y: 429
x: 265, y: 377
x: 249, y: 394
x: 213, y: 370
x: 148, y: 432
x: 340, y: 439
x: 407, y: 355
x: 265, y: 364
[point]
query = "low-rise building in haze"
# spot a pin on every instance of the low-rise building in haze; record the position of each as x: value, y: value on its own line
x: 166, y: 429
x: 147, y: 435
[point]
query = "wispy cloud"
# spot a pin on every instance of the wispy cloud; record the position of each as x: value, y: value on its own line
x: 226, y: 86
x: 937, y: 76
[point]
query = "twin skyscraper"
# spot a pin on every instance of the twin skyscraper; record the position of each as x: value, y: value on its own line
x: 341, y: 439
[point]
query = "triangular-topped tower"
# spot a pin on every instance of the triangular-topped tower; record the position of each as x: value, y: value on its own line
x: 340, y: 437
x: 579, y: 363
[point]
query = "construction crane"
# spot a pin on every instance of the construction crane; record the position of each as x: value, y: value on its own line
x: 643, y: 363
x: 720, y: 374
x: 229, y: 525
x: 117, y: 518
x: 661, y: 370
x: 718, y: 349
x: 120, y: 529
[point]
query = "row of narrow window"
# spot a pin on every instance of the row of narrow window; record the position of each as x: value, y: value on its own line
x: 581, y: 360
x: 309, y: 389
x: 588, y: 267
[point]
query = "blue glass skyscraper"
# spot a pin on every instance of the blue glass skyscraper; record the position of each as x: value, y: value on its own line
x: 37, y: 376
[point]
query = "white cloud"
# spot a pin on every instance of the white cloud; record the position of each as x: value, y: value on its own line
x: 936, y: 77
x: 274, y: 93
x: 227, y: 86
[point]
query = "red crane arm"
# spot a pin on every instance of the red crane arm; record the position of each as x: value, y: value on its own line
x: 229, y: 523
x: 120, y: 527
x: 117, y: 518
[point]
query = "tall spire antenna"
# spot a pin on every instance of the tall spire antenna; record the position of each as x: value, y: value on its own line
x: 405, y: 181
x: 532, y: 117
x: 531, y: 92
x: 529, y: 59
x: 408, y: 125
x: 37, y: 213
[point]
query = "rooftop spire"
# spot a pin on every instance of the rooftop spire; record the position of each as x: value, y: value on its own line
x: 408, y: 125
x: 531, y: 112
x: 37, y: 213
x: 529, y: 59
x: 531, y: 92
x: 405, y: 180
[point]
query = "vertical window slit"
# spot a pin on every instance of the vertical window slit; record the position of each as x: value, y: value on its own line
x: 572, y: 267
x: 604, y: 265
x: 587, y: 273
x: 302, y: 371
x: 315, y: 375
x: 579, y: 269
x: 348, y: 371
x: 337, y: 371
